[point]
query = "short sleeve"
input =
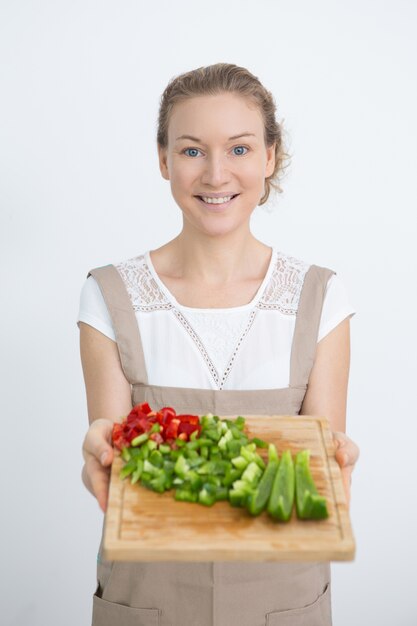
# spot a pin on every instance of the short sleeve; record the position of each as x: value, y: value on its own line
x: 93, y: 309
x: 336, y: 306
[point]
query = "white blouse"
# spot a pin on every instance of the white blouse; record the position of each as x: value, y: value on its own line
x: 243, y: 347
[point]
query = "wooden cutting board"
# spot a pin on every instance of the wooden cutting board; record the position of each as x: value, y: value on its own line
x: 142, y: 525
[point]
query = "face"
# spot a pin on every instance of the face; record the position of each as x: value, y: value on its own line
x: 214, y: 160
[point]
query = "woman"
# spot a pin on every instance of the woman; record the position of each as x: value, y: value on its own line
x: 214, y: 321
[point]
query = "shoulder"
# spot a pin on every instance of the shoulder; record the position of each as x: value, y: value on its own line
x: 131, y: 264
x: 128, y: 270
x: 114, y: 277
x: 93, y: 308
x: 142, y: 284
x: 291, y: 276
x: 305, y: 272
x: 288, y: 262
x: 285, y: 282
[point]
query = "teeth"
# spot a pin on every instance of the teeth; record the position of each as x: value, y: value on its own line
x: 216, y: 200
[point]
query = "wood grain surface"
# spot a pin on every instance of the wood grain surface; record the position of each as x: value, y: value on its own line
x: 141, y: 525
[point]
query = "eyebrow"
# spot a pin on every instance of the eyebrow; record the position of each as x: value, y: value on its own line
x: 230, y: 138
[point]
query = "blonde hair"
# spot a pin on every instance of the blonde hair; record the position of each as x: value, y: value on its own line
x: 220, y: 78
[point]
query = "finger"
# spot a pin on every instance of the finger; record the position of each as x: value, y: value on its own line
x: 346, y: 450
x: 97, y: 479
x: 97, y: 442
x: 342, y: 457
x: 347, y: 455
x: 347, y: 474
x: 102, y: 452
x: 340, y: 439
x: 341, y: 452
x: 345, y: 460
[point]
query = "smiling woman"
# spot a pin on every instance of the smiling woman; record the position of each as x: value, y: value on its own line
x: 214, y: 321
x: 216, y: 181
x: 225, y: 80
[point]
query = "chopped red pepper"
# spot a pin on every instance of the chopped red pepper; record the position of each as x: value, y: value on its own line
x: 144, y: 407
x: 191, y: 419
x: 157, y: 437
x: 187, y: 428
x: 167, y: 413
x: 141, y: 419
x: 172, y: 428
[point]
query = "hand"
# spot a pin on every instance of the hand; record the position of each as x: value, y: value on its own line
x: 346, y: 454
x: 98, y: 456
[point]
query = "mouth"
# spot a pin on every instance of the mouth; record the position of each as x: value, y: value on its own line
x: 217, y: 206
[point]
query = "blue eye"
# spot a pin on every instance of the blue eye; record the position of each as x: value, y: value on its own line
x: 192, y: 149
x: 239, y: 147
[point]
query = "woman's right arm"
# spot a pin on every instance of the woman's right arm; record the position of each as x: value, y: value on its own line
x: 108, y: 399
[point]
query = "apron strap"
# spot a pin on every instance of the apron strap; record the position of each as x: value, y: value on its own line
x: 124, y: 321
x: 307, y: 324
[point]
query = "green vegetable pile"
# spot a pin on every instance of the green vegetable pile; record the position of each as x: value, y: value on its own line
x: 221, y: 463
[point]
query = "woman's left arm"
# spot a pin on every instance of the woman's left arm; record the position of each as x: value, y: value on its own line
x: 327, y: 394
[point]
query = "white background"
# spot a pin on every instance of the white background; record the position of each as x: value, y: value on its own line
x: 80, y: 187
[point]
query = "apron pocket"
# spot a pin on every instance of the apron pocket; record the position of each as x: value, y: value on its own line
x: 112, y: 614
x: 316, y: 614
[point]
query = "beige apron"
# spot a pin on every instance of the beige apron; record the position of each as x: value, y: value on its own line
x: 227, y: 593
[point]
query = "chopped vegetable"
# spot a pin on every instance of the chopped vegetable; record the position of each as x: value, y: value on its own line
x: 258, y: 500
x: 162, y: 426
x: 211, y: 459
x: 309, y: 504
x: 281, y: 500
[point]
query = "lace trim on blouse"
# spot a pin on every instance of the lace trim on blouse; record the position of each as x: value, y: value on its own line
x: 145, y: 294
x: 281, y: 293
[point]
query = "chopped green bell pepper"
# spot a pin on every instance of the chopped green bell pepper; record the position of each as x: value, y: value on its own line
x: 259, y: 442
x: 309, y: 504
x: 137, y: 441
x: 281, y: 500
x: 125, y: 453
x: 128, y: 469
x: 138, y: 471
x: 258, y: 500
x: 181, y: 467
x: 185, y: 495
x: 252, y: 474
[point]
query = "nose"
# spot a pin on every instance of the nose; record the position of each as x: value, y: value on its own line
x: 216, y: 172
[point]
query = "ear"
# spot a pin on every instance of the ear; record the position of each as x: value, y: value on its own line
x: 270, y: 163
x: 163, y: 165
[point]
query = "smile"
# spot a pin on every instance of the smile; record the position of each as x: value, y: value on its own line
x: 216, y: 203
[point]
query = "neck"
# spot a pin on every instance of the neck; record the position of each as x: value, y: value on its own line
x: 217, y: 260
